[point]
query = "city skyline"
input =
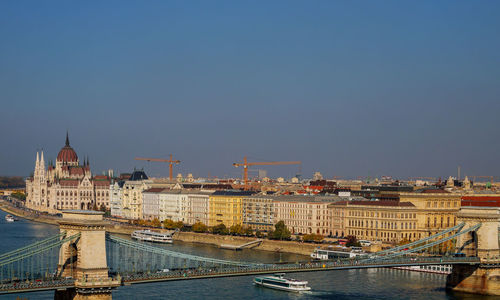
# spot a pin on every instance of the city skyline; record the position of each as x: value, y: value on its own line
x: 349, y: 89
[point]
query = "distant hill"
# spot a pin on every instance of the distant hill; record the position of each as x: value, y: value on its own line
x: 11, y: 182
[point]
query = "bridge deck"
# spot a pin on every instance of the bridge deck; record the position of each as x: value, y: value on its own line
x: 188, y: 274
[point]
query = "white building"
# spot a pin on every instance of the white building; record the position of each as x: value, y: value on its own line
x: 198, y: 207
x: 151, y: 203
x: 115, y: 198
x: 173, y: 205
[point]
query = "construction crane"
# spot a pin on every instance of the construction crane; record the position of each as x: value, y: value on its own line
x: 246, y: 164
x: 489, y: 177
x: 170, y: 161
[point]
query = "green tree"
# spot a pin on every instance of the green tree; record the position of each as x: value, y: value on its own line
x: 220, y: 229
x: 280, y: 232
x: 236, y: 229
x: 248, y: 231
x: 19, y: 195
x: 352, y: 241
x: 259, y: 234
x: 178, y: 225
x: 200, y: 227
x: 312, y: 237
x: 168, y: 224
x: 156, y: 223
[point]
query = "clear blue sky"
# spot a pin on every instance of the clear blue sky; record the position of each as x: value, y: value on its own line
x: 351, y: 88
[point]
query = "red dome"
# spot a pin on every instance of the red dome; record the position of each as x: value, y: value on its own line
x: 67, y: 154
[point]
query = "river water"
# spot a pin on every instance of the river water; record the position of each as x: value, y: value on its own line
x: 351, y: 284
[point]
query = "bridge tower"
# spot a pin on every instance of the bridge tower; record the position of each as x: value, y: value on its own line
x: 84, y: 258
x: 483, y: 243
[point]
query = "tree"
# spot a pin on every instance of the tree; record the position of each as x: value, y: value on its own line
x: 156, y: 223
x: 178, y: 225
x: 312, y: 237
x: 352, y: 241
x: 19, y: 195
x: 168, y: 224
x: 403, y: 242
x: 200, y: 227
x: 248, y: 231
x: 220, y: 229
x: 259, y: 234
x: 236, y: 229
x: 280, y: 232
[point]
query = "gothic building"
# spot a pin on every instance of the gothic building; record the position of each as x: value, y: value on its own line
x: 67, y: 185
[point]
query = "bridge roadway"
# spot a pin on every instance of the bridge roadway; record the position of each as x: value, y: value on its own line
x: 295, y: 267
x: 215, y: 272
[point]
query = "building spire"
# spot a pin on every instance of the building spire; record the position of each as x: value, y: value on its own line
x: 67, y: 139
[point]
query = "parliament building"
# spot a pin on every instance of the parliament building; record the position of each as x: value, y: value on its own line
x: 67, y: 185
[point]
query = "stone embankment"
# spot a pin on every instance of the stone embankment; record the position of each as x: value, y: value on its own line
x: 190, y: 237
x: 267, y: 245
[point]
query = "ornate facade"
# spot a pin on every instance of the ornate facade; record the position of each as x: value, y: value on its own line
x: 67, y: 185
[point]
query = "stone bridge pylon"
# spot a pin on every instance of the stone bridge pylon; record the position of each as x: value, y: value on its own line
x: 84, y: 257
x: 483, y: 243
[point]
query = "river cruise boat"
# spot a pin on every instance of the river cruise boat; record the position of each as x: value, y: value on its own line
x: 438, y: 269
x: 10, y: 218
x: 279, y: 282
x: 327, y: 254
x: 151, y: 236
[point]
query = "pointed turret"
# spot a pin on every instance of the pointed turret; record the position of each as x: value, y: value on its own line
x: 42, y: 166
x: 67, y: 139
x: 37, y: 164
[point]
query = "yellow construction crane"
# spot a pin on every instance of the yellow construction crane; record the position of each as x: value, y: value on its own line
x: 170, y: 161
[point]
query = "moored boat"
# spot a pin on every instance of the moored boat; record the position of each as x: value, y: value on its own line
x: 151, y: 236
x: 10, y: 218
x: 279, y: 282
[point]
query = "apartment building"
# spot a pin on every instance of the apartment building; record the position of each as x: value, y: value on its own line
x: 226, y: 207
x: 388, y: 221
x: 305, y: 214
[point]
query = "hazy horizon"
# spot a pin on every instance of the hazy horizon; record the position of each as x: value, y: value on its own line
x: 398, y: 88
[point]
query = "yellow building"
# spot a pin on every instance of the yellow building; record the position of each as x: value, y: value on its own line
x: 226, y: 207
x: 388, y: 221
x: 436, y: 210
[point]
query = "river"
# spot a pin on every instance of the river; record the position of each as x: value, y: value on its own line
x: 351, y: 284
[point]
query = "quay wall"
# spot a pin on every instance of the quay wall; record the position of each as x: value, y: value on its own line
x: 266, y: 245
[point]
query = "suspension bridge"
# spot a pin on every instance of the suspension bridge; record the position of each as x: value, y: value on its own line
x: 84, y: 261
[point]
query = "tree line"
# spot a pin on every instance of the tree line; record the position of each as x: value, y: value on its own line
x: 280, y: 231
x: 7, y: 182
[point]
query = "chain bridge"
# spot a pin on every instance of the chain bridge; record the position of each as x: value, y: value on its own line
x: 85, y: 262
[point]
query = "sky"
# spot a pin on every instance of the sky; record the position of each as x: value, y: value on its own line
x: 350, y: 88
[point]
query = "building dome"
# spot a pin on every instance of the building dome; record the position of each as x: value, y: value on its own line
x: 67, y: 154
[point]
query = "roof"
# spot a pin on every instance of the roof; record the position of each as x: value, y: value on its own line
x: 67, y: 154
x: 69, y: 182
x: 76, y: 171
x: 483, y: 201
x: 233, y: 193
x: 375, y: 203
x: 138, y: 175
x: 153, y: 190
x: 101, y: 182
x: 299, y: 198
x: 434, y: 191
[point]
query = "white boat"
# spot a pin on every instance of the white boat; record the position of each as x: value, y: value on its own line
x: 326, y: 254
x: 279, y: 282
x: 437, y: 269
x: 10, y: 218
x: 151, y: 236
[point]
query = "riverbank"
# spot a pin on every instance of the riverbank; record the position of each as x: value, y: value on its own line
x: 190, y: 237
